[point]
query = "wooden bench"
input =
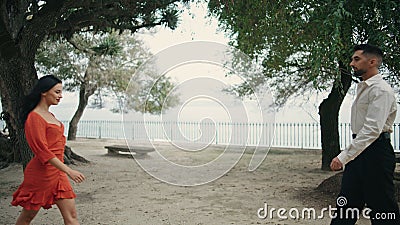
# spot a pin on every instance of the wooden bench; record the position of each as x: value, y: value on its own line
x: 140, y: 151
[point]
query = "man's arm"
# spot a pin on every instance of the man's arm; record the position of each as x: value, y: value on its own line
x: 377, y: 114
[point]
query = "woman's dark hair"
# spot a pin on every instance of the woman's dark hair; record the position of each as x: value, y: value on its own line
x: 44, y: 84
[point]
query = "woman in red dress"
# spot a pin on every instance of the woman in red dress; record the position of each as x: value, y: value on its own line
x: 45, y: 177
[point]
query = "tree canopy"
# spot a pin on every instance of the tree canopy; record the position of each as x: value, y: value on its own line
x: 300, y: 43
x: 306, y: 45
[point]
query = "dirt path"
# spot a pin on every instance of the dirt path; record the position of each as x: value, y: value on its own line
x: 118, y: 191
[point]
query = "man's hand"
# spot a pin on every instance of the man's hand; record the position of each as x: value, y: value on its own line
x: 336, y: 164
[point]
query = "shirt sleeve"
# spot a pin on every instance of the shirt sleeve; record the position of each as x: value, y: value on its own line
x: 377, y: 114
x: 35, y: 133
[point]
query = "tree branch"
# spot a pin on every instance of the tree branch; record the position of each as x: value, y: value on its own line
x: 77, y: 47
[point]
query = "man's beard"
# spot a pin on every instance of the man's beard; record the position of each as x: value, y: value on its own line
x: 359, y: 73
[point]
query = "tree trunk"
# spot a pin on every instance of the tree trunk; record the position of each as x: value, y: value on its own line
x: 19, y: 42
x: 85, y: 91
x: 329, y: 118
x: 6, y: 151
x: 70, y: 157
x: 16, y: 78
x: 18, y: 74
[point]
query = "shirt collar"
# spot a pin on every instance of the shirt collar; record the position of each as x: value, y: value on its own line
x: 374, y: 79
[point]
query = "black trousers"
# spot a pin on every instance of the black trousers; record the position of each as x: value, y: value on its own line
x: 368, y: 182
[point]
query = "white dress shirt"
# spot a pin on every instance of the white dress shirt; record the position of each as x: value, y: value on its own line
x: 373, y: 112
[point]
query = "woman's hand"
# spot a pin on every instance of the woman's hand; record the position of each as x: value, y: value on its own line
x: 76, y: 176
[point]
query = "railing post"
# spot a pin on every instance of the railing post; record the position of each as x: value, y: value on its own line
x: 394, y: 137
x: 99, y: 130
x: 302, y: 136
x: 216, y: 133
x: 133, y: 130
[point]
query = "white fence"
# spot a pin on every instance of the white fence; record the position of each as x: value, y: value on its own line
x: 290, y: 135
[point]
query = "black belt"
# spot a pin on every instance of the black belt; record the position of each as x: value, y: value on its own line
x: 382, y: 136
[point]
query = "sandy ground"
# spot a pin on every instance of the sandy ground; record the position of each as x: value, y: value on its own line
x: 119, y: 191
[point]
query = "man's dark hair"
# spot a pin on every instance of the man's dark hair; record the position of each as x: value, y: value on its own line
x: 371, y: 50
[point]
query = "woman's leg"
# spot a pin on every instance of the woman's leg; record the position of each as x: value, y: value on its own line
x: 26, y: 217
x: 68, y: 211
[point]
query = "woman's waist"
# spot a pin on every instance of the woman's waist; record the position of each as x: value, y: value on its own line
x: 35, y: 160
x: 36, y: 167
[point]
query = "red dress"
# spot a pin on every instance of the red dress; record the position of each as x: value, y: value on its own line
x: 43, y: 183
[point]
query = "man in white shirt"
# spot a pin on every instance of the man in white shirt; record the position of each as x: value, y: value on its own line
x: 369, y: 159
